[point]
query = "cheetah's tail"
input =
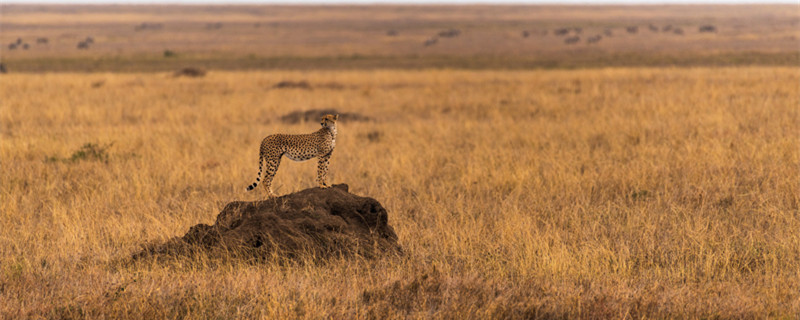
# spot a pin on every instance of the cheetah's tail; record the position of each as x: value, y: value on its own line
x: 258, y: 177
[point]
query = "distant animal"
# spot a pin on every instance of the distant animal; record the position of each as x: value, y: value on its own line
x: 707, y: 28
x: 632, y: 29
x: 449, y: 33
x: 83, y: 45
x: 667, y: 28
x: 572, y: 40
x: 25, y: 46
x: 298, y: 147
x: 594, y: 39
x: 19, y: 41
x: 41, y: 40
x: 89, y: 40
x: 525, y: 33
x: 561, y: 31
x: 430, y: 41
x: 678, y: 31
x: 12, y: 46
x: 3, y: 68
x: 150, y: 26
x: 653, y: 28
x: 608, y: 33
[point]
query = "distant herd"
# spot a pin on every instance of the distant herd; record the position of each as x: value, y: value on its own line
x: 20, y: 44
x: 572, y: 34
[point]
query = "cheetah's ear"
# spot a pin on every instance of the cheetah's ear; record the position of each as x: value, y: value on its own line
x: 336, y: 117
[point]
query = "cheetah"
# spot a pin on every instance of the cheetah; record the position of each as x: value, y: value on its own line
x: 298, y: 147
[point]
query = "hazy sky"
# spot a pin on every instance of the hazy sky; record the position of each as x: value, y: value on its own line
x: 409, y: 1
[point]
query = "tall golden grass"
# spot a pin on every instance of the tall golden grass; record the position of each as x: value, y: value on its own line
x: 611, y: 193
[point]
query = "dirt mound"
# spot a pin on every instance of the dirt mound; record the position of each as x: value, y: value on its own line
x: 314, y: 223
x: 307, y: 86
x: 292, y: 84
x: 315, y: 114
x: 190, y: 72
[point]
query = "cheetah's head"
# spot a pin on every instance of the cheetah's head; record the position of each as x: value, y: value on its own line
x: 329, y: 120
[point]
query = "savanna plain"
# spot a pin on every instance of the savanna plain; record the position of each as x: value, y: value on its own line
x: 523, y: 193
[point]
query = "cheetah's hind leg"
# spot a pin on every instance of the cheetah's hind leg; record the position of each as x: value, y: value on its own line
x: 272, y: 167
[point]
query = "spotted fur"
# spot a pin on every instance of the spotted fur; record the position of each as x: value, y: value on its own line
x: 298, y: 147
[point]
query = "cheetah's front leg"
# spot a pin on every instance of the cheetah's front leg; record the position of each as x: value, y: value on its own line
x: 322, y: 170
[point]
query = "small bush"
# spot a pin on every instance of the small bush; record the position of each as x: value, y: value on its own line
x: 91, y: 151
x: 169, y: 54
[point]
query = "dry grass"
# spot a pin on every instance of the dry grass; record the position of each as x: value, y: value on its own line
x: 612, y: 193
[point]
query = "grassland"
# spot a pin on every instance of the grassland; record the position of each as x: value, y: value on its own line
x: 648, y: 175
x: 607, y: 193
x: 135, y: 38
